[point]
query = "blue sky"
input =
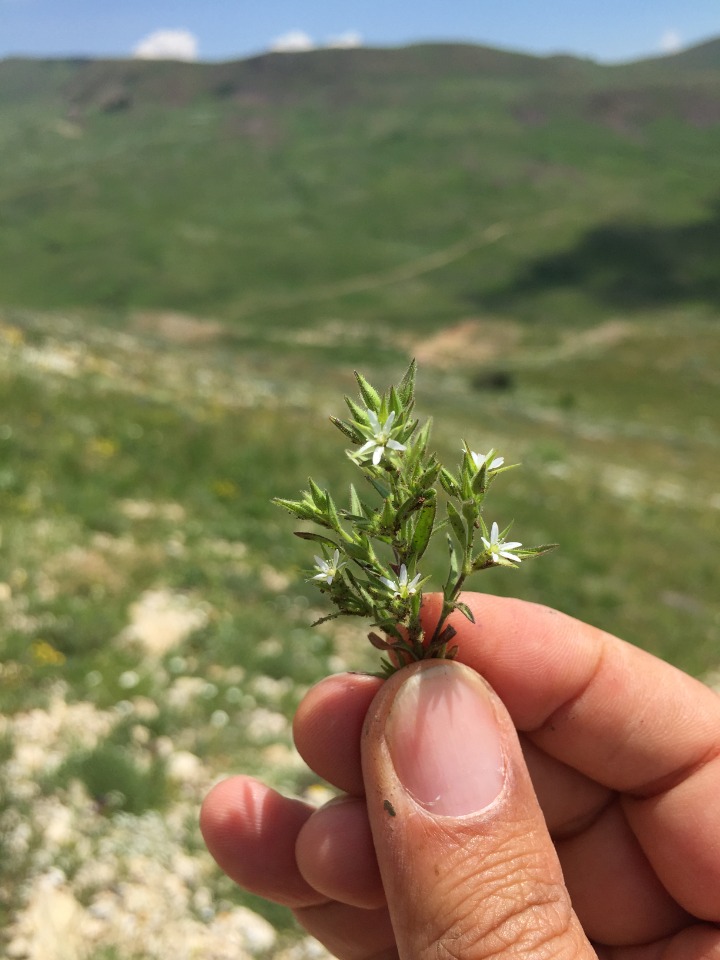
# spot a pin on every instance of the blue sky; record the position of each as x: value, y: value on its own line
x: 225, y: 29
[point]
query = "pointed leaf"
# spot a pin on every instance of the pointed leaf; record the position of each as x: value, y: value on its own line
x: 458, y: 525
x: 350, y: 432
x: 423, y: 528
x: 465, y: 610
x: 406, y: 387
x: 357, y: 412
x: 369, y: 393
x: 378, y: 642
x: 454, y: 565
x: 448, y: 483
x: 381, y: 488
x: 530, y: 552
x: 319, y: 498
x: 330, y: 616
x: 317, y: 537
x: 297, y: 508
x: 356, y: 506
x: 479, y: 481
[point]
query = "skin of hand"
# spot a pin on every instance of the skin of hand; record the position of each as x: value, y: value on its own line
x: 554, y: 792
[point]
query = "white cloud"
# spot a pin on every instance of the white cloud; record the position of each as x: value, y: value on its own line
x: 294, y: 41
x: 167, y: 45
x: 670, y: 42
x: 345, y: 41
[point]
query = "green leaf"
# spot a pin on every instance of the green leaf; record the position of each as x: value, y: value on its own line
x: 458, y: 525
x: 394, y: 403
x: 530, y: 552
x: 317, y: 537
x: 449, y: 483
x: 424, y: 525
x: 381, y: 488
x: 470, y: 511
x: 358, y: 551
x: 350, y: 432
x: 320, y: 499
x: 358, y: 414
x: 430, y: 475
x: 356, y: 506
x: 454, y: 565
x: 330, y: 616
x: 465, y: 610
x: 369, y: 393
x: 406, y: 387
x: 297, y: 508
x: 359, y: 589
x: 479, y: 481
x: 423, y: 437
x: 333, y: 516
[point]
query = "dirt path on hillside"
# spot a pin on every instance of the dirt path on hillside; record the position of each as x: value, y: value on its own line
x: 373, y: 281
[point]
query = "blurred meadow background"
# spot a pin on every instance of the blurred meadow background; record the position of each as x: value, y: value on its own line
x: 194, y: 258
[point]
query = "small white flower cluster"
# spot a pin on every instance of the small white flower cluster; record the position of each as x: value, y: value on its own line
x: 372, y: 552
x: 498, y: 548
x: 380, y: 437
x: 400, y: 587
x: 328, y: 569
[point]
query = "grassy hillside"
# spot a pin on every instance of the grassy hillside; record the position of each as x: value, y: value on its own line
x: 195, y: 258
x: 411, y: 186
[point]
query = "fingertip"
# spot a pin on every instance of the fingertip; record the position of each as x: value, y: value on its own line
x: 327, y: 728
x: 251, y: 831
x: 336, y: 856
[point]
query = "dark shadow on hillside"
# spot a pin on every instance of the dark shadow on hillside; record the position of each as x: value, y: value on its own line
x: 632, y: 265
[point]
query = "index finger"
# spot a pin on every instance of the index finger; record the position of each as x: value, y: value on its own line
x: 609, y: 709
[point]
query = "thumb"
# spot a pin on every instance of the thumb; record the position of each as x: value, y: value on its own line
x: 468, y: 866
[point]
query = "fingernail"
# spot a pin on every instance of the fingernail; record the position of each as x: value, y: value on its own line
x: 444, y: 741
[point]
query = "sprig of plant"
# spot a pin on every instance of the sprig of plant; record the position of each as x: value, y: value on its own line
x: 370, y: 550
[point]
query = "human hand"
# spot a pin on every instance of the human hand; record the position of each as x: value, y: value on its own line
x: 439, y: 847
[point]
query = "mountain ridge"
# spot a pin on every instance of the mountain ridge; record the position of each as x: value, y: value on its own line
x: 414, y: 61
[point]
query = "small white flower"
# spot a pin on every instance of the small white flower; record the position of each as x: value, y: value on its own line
x: 400, y: 587
x: 486, y: 460
x: 498, y: 549
x: 380, y: 438
x: 328, y: 569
